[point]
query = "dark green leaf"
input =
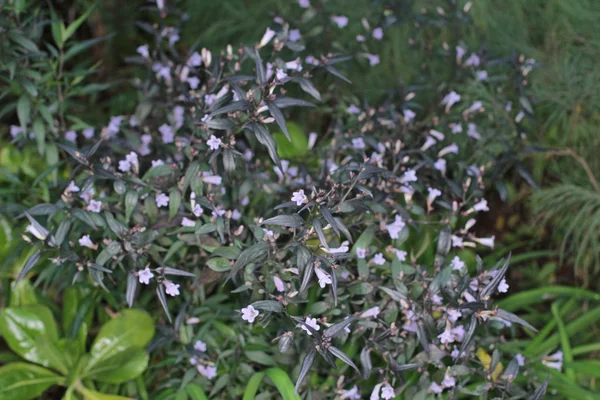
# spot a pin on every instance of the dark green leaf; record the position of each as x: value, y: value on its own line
x: 342, y: 356
x: 306, y: 364
x: 292, y: 221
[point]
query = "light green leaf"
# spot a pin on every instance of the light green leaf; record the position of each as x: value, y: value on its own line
x: 24, y: 381
x: 123, y: 367
x: 21, y: 326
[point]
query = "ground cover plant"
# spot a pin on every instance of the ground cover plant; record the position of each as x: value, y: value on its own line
x: 289, y: 230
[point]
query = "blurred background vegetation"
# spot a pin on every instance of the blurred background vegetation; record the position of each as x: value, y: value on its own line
x: 549, y: 219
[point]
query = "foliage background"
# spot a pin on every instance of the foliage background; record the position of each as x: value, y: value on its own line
x: 552, y: 227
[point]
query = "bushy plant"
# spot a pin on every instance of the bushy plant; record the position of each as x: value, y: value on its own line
x: 345, y: 246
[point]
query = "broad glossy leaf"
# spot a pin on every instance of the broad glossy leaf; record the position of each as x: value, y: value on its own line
x: 21, y: 326
x: 125, y: 366
x: 22, y: 381
x: 89, y: 394
x: 134, y: 328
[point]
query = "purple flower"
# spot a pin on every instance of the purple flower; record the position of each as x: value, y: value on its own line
x: 171, y: 288
x: 396, y: 227
x: 299, y: 197
x: 85, y: 241
x: 372, y: 312
x: 193, y: 82
x: 373, y: 59
x: 312, y: 322
x: 352, y: 109
x: 340, y: 20
x: 188, y: 223
x: 208, y: 371
x: 88, y: 133
x: 167, y: 133
x: 409, y: 115
x: 269, y: 34
x: 324, y: 277
x: 145, y: 275
x: 162, y: 200
x: 295, y: 35
x: 195, y: 60
x: 199, y: 345
x: 94, y: 206
x: 360, y: 38
x: 71, y: 136
x: 378, y: 259
x: 249, y: 314
x: 213, y: 143
x: 304, y: 3
x: 378, y: 33
x: 361, y: 253
x: 358, y: 143
x: 143, y: 51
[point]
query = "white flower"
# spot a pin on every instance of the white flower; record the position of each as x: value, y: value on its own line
x: 378, y: 33
x: 335, y: 250
x: 295, y: 35
x: 375, y: 392
x: 378, y: 259
x: 208, y: 371
x: 554, y: 360
x: 162, y: 200
x: 361, y: 253
x: 503, y: 286
x: 268, y: 232
x: 489, y: 242
x: 324, y: 277
x: 437, y: 134
x: 279, y: 285
x: 457, y: 264
x: 474, y: 107
x: 143, y: 51
x: 299, y: 197
x: 341, y: 21
x: 387, y: 392
x: 460, y: 52
x: 449, y: 381
x: 351, y: 394
x: 71, y: 136
x: 456, y: 241
x: 167, y: 133
x: 199, y: 345
x: 295, y: 65
x: 519, y: 116
x: 171, y: 288
x: 372, y: 312
x: 373, y: 59
x: 520, y: 359
x: 269, y: 34
x: 352, y: 109
x: 358, y: 143
x: 450, y: 99
x: 481, y: 206
x: 87, y: 242
x: 195, y: 60
x: 157, y: 163
x: 401, y: 254
x: 409, y: 176
x: 88, y: 133
x: 473, y: 60
x: 435, y: 388
x: 409, y: 115
x: 472, y: 131
x: 187, y: 222
x: 145, y: 275
x: 433, y: 194
x: 35, y: 232
x: 440, y: 165
x: 453, y: 148
x: 429, y: 141
x: 94, y: 206
x: 469, y: 224
x: 312, y: 322
x: 396, y: 227
x: 280, y: 74
x: 453, y: 315
x: 214, y: 142
x: 72, y: 187
x: 249, y: 314
x: 446, y: 336
x: 218, y: 212
x: 212, y: 179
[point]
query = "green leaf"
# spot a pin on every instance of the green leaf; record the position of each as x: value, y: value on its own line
x: 132, y: 329
x: 291, y: 221
x: 23, y: 110
x: 21, y: 326
x: 125, y: 366
x: 76, y: 24
x: 298, y: 145
x: 89, y: 394
x: 252, y: 386
x: 219, y: 264
x: 40, y: 134
x: 174, y: 202
x: 24, y: 381
x: 22, y: 294
x: 131, y: 200
x: 283, y: 383
x: 195, y: 392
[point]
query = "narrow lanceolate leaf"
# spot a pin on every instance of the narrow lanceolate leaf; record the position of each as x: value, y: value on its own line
x: 306, y: 364
x: 264, y: 137
x: 94, y: 148
x: 28, y: 266
x: 76, y: 154
x: 319, y: 230
x: 510, y: 317
x: 268, y: 305
x: 335, y: 72
x: 342, y: 356
x: 160, y: 291
x: 541, y: 391
x: 221, y: 124
x: 283, y: 102
x: 291, y: 221
x: 335, y: 329
x: 443, y: 244
x: 512, y: 370
x: 491, y: 287
x: 306, y: 278
x: 468, y: 336
x: 241, y: 105
x: 252, y: 254
x: 326, y: 213
x: 365, y: 362
x: 279, y: 118
x: 394, y: 294
x: 132, y: 282
x: 309, y: 88
x: 406, y: 367
x: 260, y: 70
x: 178, y: 272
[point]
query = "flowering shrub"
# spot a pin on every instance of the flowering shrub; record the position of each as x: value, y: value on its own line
x: 347, y: 252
